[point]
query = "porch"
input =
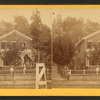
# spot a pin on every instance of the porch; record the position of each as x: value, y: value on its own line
x: 26, y: 57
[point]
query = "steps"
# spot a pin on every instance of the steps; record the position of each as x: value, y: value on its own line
x: 19, y: 80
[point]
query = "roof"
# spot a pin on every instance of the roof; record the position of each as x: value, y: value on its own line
x: 88, y: 36
x: 15, y: 32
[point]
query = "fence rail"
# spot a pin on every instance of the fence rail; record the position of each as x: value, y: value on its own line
x: 83, y: 72
x: 21, y: 71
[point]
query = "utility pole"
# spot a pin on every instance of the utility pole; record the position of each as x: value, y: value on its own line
x: 38, y: 52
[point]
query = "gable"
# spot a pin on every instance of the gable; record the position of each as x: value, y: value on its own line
x: 90, y: 36
x: 14, y: 32
x: 18, y: 37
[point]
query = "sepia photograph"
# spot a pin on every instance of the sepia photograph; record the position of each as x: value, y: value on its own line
x: 45, y: 48
x: 25, y: 48
x: 76, y: 47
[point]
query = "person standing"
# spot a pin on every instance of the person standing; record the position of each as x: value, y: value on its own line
x: 69, y: 73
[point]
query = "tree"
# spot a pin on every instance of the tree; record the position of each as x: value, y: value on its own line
x: 5, y: 27
x: 45, y: 38
x: 70, y: 25
x: 11, y: 56
x: 77, y: 28
x: 91, y: 26
x: 36, y: 31
x: 74, y: 27
x: 63, y: 41
x: 57, y: 26
x: 21, y: 24
x: 41, y: 35
x: 63, y: 50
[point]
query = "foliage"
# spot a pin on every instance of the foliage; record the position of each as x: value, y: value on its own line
x: 63, y: 50
x: 12, y: 55
x: 95, y: 55
x: 5, y: 27
x: 41, y: 34
x: 68, y: 31
x: 91, y: 26
x: 36, y: 28
x: 75, y: 27
x: 45, y: 38
x: 21, y: 24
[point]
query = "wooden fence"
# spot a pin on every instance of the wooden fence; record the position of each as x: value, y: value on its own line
x: 84, y: 72
x: 22, y: 71
x: 64, y: 72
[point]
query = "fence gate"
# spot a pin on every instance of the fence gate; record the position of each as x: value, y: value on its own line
x: 40, y: 76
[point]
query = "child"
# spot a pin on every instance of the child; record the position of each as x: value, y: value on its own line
x: 69, y: 73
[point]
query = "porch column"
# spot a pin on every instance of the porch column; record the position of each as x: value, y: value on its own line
x: 87, y: 60
x: 30, y: 55
x: 87, y: 57
x: 1, y: 62
x: 22, y: 60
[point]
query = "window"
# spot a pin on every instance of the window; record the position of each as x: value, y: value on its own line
x: 23, y: 45
x: 13, y: 43
x: 3, y: 45
x: 89, y: 44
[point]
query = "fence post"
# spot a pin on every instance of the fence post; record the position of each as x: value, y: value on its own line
x: 40, y: 75
x: 97, y: 70
x: 24, y: 70
x: 83, y: 71
x: 11, y: 70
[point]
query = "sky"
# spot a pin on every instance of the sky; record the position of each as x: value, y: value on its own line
x: 47, y: 15
x: 87, y: 13
x: 7, y: 14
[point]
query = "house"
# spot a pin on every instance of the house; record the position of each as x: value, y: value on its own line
x: 24, y: 42
x: 83, y: 48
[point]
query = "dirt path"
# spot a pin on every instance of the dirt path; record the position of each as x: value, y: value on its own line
x: 56, y: 75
